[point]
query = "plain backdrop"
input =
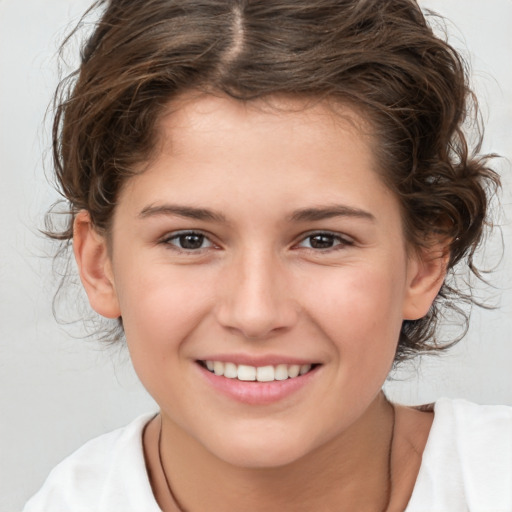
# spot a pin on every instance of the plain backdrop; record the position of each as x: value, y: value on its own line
x: 57, y: 389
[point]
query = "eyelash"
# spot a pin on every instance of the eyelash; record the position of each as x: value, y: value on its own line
x: 339, y: 242
x: 176, y: 236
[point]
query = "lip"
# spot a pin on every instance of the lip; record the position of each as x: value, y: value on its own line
x: 257, y: 393
x: 266, y: 360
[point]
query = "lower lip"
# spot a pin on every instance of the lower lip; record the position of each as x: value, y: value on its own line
x: 257, y: 393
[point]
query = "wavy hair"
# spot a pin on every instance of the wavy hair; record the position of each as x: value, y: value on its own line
x: 378, y: 56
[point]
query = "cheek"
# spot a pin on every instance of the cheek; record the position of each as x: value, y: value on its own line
x: 161, y: 306
x: 160, y: 311
x: 361, y: 310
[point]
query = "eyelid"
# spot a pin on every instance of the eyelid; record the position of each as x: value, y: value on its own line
x: 343, y: 239
x: 173, y: 235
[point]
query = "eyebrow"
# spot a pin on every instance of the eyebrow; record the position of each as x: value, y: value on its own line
x: 189, y: 212
x: 328, y: 212
x: 302, y: 215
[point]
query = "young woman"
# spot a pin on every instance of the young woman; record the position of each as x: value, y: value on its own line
x: 269, y: 198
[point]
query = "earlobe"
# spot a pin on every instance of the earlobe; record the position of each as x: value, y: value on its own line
x: 426, y: 273
x: 94, y: 266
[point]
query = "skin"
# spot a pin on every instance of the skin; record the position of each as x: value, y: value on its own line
x: 257, y: 287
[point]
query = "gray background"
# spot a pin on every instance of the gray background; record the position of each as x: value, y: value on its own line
x: 58, y: 390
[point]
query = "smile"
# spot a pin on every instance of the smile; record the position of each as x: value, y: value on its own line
x: 267, y: 373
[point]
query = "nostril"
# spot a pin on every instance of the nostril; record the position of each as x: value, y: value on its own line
x: 254, y: 299
x: 257, y: 324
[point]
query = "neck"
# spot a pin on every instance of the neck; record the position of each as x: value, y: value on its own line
x: 350, y: 472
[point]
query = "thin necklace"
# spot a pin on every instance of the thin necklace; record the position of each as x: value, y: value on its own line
x: 169, y: 488
x: 390, y: 458
x: 390, y: 453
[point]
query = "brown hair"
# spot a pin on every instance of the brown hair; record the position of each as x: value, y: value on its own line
x: 379, y: 56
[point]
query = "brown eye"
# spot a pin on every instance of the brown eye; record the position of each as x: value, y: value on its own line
x: 325, y: 241
x: 191, y: 241
x: 188, y: 241
x: 322, y: 241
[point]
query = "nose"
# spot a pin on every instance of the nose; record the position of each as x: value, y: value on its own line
x: 255, y: 299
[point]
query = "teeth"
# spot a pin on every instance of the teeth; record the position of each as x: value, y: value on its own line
x: 304, y: 369
x: 259, y: 373
x: 265, y: 373
x: 230, y: 371
x: 218, y: 368
x: 246, y: 372
x: 293, y: 370
x: 281, y: 372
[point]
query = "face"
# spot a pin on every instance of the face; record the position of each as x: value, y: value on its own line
x: 261, y: 244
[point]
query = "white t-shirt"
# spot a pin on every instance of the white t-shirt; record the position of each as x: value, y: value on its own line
x: 466, y: 467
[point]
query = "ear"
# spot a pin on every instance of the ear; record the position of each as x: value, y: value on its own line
x: 94, y: 266
x: 426, y: 272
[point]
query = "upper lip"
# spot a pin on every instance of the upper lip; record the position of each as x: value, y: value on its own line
x: 260, y: 360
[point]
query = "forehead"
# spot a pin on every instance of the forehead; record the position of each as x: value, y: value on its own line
x: 265, y: 159
x: 207, y: 114
x: 271, y: 131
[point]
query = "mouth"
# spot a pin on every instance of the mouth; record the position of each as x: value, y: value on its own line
x: 246, y: 373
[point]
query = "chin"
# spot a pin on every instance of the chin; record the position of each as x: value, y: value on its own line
x: 262, y: 459
x: 261, y: 450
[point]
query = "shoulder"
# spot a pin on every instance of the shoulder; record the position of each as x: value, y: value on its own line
x: 479, y: 435
x: 467, y: 459
x: 475, y: 431
x: 465, y: 409
x: 108, y: 471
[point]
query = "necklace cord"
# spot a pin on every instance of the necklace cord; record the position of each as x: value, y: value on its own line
x: 389, y: 475
x: 390, y: 458
x: 169, y: 488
